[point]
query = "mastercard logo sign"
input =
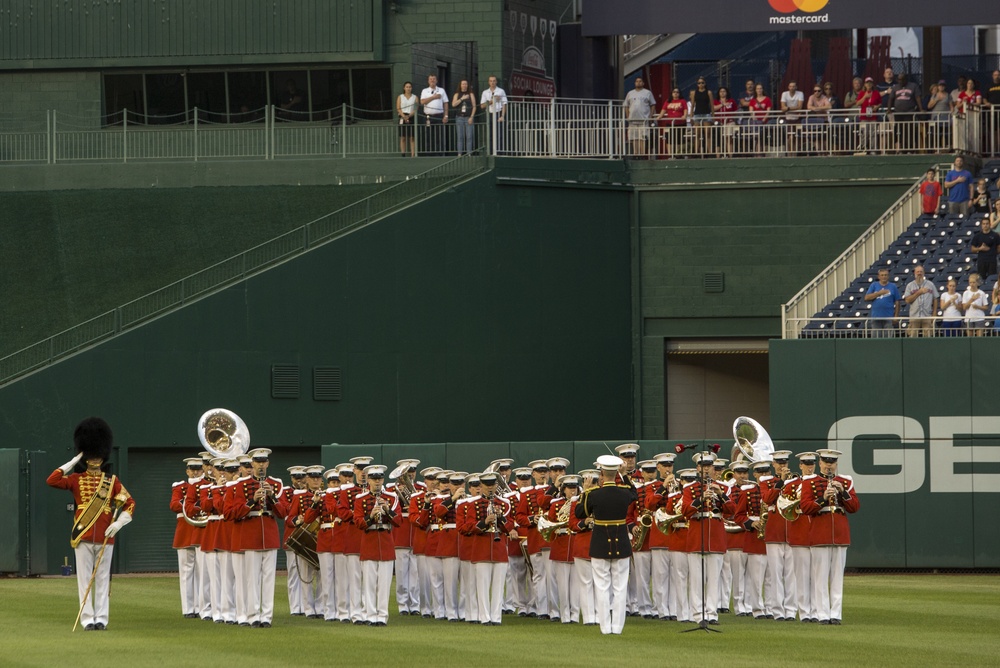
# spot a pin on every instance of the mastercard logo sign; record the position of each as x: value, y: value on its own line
x: 789, y: 6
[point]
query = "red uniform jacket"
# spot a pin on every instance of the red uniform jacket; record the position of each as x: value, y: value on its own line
x: 184, y: 498
x: 427, y: 521
x: 561, y: 548
x: 84, y: 486
x: 735, y: 540
x: 528, y: 509
x: 329, y: 522
x: 776, y: 530
x: 645, y: 491
x: 482, y: 545
x: 747, y: 513
x: 418, y: 531
x: 514, y: 546
x: 376, y: 537
x: 829, y: 520
x: 210, y: 536
x: 285, y: 497
x: 402, y: 535
x: 654, y: 499
x: 698, y: 512
x: 255, y: 525
x: 351, y: 537
x: 798, y: 531
x: 581, y: 533
x: 445, y: 527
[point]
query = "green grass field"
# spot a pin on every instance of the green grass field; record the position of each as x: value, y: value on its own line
x: 906, y: 621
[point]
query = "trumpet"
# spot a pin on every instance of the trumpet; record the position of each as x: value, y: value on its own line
x: 496, y: 512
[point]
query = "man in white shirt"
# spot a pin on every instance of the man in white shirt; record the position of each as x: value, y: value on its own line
x: 435, y: 102
x: 792, y: 102
x: 494, y: 101
x: 639, y: 106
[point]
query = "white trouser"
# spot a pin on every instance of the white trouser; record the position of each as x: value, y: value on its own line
x: 551, y: 588
x: 309, y: 586
x: 239, y: 588
x: 659, y: 576
x: 679, y: 597
x: 780, y: 597
x: 569, y: 605
x: 468, y: 597
x: 211, y: 575
x: 753, y: 583
x: 407, y: 581
x: 187, y: 572
x: 802, y: 560
x: 489, y: 580
x: 583, y: 570
x: 342, y: 586
x: 95, y: 606
x: 725, y: 582
x: 737, y: 568
x: 203, y: 586
x: 610, y: 593
x: 258, y: 581
x: 426, y: 591
x: 639, y: 578
x: 827, y: 580
x: 353, y: 584
x: 227, y: 585
x: 539, y: 599
x: 377, y: 581
x: 294, y: 590
x: 435, y: 577
x: 327, y: 599
x: 517, y: 595
x: 713, y: 571
x: 450, y: 567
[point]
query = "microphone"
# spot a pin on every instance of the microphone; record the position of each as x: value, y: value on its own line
x: 680, y: 447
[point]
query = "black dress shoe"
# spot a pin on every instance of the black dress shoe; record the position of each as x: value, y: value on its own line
x: 760, y: 616
x: 647, y: 616
x: 190, y: 615
x: 672, y: 618
x: 522, y: 614
x: 344, y: 621
x: 768, y: 616
x: 89, y: 627
x: 255, y: 625
x: 835, y: 622
x: 265, y: 625
x: 455, y: 620
x: 231, y: 622
x: 555, y: 619
x: 220, y: 621
x: 316, y: 616
x: 404, y: 612
x: 724, y: 611
x: 541, y: 616
x: 824, y: 622
x: 508, y: 612
x: 789, y: 619
x: 244, y: 624
x: 426, y: 616
x: 779, y: 619
x: 713, y: 622
x: 591, y: 624
x: 532, y: 614
x: 378, y: 623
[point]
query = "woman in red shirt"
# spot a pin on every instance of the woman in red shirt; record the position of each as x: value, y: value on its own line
x: 760, y: 108
x: 725, y: 109
x: 970, y: 98
x: 675, y: 109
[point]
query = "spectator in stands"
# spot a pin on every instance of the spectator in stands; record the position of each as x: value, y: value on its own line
x: 792, y: 103
x: 851, y: 99
x: 974, y: 303
x: 463, y: 104
x: 970, y: 98
x: 921, y: 295
x: 904, y: 102
x: 981, y: 198
x: 984, y: 243
x: 995, y: 215
x: 725, y: 110
x: 494, y: 102
x: 886, y: 300
x: 955, y: 92
x: 930, y: 193
x: 435, y: 102
x: 748, y: 94
x: 958, y: 181
x: 828, y: 91
x: 406, y: 109
x: 938, y: 104
x: 868, y: 103
x: 675, y: 109
x: 992, y: 102
x: 951, y: 307
x: 292, y: 102
x: 760, y: 108
x: 885, y: 87
x: 818, y: 106
x: 702, y: 102
x: 639, y: 107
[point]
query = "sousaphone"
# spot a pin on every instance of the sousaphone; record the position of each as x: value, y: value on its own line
x: 225, y: 435
x: 753, y: 444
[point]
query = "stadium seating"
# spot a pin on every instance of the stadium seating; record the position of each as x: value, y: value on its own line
x: 939, y: 242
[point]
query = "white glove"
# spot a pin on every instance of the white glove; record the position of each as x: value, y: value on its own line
x: 67, y: 468
x: 116, y: 526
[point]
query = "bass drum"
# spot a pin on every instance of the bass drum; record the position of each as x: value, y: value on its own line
x: 302, y: 542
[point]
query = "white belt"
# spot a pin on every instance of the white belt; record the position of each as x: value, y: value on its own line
x: 379, y: 527
x: 562, y: 532
x: 752, y: 518
x: 440, y: 527
x: 706, y: 516
x: 180, y: 515
x: 327, y: 525
x: 831, y: 509
x: 215, y: 517
x: 259, y: 513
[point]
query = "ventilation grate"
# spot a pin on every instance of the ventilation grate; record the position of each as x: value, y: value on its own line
x: 714, y: 281
x: 327, y: 383
x: 284, y: 381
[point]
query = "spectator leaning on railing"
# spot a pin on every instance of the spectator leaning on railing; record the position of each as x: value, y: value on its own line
x: 921, y: 295
x: 930, y: 193
x: 886, y: 300
x: 904, y: 100
x: 958, y: 181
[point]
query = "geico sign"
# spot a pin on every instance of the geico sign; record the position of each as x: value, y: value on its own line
x: 912, y: 467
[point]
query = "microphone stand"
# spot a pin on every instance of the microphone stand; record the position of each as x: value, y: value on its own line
x: 703, y: 624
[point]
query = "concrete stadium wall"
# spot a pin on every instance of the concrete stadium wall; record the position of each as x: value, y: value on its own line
x: 918, y: 426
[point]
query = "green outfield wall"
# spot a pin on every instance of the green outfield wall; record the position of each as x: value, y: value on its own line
x: 917, y: 423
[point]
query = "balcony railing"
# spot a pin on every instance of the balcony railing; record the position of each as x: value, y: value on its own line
x: 881, y: 328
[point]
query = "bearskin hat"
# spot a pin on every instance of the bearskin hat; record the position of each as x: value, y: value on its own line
x: 93, y: 438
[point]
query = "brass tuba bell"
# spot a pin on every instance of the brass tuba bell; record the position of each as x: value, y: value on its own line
x: 223, y: 433
x: 753, y: 444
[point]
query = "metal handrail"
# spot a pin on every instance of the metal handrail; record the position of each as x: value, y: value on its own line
x: 240, y: 267
x: 901, y: 326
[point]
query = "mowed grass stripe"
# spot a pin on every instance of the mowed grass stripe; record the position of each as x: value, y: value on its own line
x: 890, y: 621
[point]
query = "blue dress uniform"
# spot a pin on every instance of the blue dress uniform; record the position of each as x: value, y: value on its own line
x: 612, y: 508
